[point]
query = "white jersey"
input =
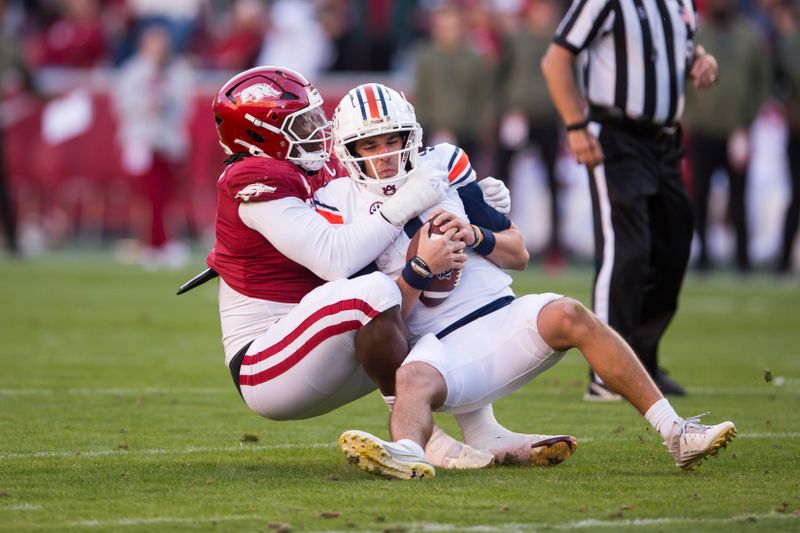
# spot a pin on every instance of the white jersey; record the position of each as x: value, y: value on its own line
x: 481, y: 283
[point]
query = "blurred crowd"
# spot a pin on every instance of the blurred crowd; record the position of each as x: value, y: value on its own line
x: 111, y: 96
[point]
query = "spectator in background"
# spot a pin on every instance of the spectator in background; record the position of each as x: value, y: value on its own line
x: 179, y: 17
x: 15, y: 78
x: 485, y: 33
x: 788, y: 60
x: 338, y: 19
x: 369, y: 35
x: 240, y: 45
x: 719, y: 120
x: 529, y: 116
x: 75, y: 39
x: 151, y: 99
x: 296, y: 39
x: 453, y: 85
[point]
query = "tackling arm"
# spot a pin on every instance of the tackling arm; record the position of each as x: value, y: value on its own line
x: 508, y: 250
x: 331, y: 251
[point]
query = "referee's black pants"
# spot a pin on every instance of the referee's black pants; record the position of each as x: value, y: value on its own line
x: 708, y: 154
x: 643, y: 232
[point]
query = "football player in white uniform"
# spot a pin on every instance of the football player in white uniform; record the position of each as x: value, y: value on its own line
x: 481, y: 343
x: 296, y: 345
x: 365, y: 116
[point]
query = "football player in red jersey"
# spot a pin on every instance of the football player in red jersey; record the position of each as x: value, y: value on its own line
x: 297, y: 344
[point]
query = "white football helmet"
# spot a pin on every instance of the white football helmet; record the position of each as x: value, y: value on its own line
x: 374, y: 109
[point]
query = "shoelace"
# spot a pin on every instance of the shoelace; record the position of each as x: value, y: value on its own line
x: 693, y: 425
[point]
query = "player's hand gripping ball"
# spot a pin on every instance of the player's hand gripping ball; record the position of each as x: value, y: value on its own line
x: 442, y: 284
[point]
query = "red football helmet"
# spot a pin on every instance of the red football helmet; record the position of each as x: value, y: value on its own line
x: 273, y: 112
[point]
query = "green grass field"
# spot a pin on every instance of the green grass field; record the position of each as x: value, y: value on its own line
x: 117, y: 414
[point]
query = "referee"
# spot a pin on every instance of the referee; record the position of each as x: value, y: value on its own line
x: 634, y: 57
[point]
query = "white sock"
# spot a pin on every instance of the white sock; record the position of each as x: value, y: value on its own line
x: 413, y: 446
x: 389, y: 400
x: 476, y: 425
x: 662, y: 416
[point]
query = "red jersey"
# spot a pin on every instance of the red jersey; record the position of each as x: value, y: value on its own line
x: 243, y: 257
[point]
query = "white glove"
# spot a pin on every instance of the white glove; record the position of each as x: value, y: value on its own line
x: 425, y: 187
x: 496, y: 194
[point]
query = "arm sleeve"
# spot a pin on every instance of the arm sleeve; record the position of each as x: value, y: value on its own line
x: 331, y: 251
x: 479, y: 212
x: 580, y: 25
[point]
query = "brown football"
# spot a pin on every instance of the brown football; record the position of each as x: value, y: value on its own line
x: 442, y: 284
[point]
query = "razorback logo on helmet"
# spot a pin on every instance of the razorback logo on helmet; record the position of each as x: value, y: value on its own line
x: 254, y: 190
x: 259, y: 91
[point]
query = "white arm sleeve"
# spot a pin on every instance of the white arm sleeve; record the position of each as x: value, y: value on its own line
x: 331, y: 251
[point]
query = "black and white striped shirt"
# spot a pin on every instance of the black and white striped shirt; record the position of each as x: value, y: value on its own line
x: 638, y: 53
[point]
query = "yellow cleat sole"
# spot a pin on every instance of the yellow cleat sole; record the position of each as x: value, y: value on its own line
x: 553, y: 452
x: 370, y: 456
x: 720, y: 442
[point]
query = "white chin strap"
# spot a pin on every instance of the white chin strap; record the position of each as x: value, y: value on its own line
x: 312, y: 165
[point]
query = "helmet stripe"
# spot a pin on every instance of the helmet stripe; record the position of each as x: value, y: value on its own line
x: 382, y: 99
x: 362, y: 104
x: 372, y: 102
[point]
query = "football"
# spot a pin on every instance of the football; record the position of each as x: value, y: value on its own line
x: 442, y: 284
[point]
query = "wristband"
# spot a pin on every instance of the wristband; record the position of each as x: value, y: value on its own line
x: 414, y: 278
x: 575, y: 126
x: 485, y: 246
x: 477, y: 234
x: 421, y: 267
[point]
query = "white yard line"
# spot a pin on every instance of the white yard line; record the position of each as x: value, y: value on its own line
x: 788, y: 386
x: 77, y: 454
x: 115, y: 391
x: 488, y: 528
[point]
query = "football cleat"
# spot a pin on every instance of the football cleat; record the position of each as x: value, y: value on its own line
x: 599, y: 392
x: 529, y: 449
x: 387, y: 459
x: 552, y: 450
x: 691, y: 442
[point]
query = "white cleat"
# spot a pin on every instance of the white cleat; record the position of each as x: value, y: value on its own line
x: 529, y: 449
x: 691, y: 442
x: 388, y: 459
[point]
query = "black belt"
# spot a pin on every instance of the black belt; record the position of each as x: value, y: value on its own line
x: 235, y: 366
x: 641, y: 128
x: 489, y: 308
